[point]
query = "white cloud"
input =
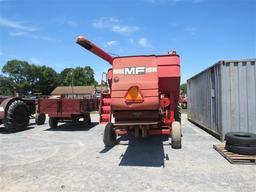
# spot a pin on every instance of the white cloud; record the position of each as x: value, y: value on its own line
x: 124, y: 29
x: 17, y: 33
x: 1, y: 53
x: 111, y: 43
x: 114, y: 25
x: 144, y: 42
x: 16, y: 25
x: 191, y: 30
x: 105, y: 22
x: 131, y: 40
x: 46, y: 38
x: 72, y: 23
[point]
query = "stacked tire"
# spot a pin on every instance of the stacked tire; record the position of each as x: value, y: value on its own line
x: 241, y: 142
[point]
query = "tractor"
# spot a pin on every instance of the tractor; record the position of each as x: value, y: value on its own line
x: 15, y: 112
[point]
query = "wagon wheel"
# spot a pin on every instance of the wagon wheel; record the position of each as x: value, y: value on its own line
x: 53, y: 122
x: 40, y: 118
x: 87, y: 120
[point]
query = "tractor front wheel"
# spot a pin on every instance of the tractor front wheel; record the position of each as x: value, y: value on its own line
x: 109, y: 137
x: 176, y: 135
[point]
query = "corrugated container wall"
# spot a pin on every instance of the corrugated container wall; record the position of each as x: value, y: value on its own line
x: 223, y: 97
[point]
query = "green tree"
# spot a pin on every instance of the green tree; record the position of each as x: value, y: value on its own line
x: 18, y: 72
x: 78, y: 76
x: 65, y: 77
x: 47, y: 80
x: 29, y: 78
x: 6, y: 85
x: 183, y: 87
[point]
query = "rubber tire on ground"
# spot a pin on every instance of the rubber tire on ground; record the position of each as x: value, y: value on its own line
x: 17, y: 116
x: 87, y: 121
x: 109, y: 136
x: 241, y: 139
x: 176, y: 135
x: 40, y: 118
x: 53, y: 122
x: 241, y: 150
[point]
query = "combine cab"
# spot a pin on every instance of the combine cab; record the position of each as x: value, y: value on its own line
x: 143, y: 95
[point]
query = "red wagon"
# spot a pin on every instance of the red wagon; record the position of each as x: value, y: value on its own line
x: 67, y: 110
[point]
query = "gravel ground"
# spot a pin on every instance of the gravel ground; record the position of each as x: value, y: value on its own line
x: 71, y: 158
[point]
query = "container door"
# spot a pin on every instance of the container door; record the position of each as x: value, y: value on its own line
x: 213, y: 99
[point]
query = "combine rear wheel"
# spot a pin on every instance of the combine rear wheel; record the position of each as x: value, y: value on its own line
x: 17, y: 116
x: 109, y: 137
x: 176, y: 135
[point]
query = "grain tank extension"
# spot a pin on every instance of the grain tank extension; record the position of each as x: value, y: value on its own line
x: 143, y: 95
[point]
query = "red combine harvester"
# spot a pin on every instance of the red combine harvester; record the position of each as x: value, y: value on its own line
x: 143, y: 95
x: 67, y: 110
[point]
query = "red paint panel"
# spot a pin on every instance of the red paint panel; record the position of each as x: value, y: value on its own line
x: 145, y: 93
x: 168, y: 60
x: 47, y: 105
x: 149, y: 103
x: 159, y: 132
x: 168, y: 71
x: 70, y: 106
x: 125, y: 82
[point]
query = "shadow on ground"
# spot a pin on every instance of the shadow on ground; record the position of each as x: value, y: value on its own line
x: 147, y: 152
x: 4, y: 131
x: 72, y: 127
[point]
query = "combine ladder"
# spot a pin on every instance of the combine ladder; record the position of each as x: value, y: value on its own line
x: 105, y: 110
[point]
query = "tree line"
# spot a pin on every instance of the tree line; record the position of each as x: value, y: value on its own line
x: 30, y: 79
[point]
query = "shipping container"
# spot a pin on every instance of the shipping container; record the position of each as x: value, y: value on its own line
x: 222, y: 98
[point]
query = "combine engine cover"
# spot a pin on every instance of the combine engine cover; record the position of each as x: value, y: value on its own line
x: 135, y: 84
x: 134, y: 94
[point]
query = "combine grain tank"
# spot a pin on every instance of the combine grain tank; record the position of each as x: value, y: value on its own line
x: 222, y: 98
x: 143, y: 95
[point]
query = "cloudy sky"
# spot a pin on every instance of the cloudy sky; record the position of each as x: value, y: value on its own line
x: 202, y: 32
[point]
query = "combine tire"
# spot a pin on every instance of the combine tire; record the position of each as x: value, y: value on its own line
x: 241, y: 139
x: 176, y: 135
x: 87, y: 121
x: 109, y: 137
x: 53, y: 122
x: 17, y: 116
x: 241, y: 150
x: 40, y: 118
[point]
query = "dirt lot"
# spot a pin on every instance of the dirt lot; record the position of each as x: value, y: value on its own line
x: 71, y: 158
